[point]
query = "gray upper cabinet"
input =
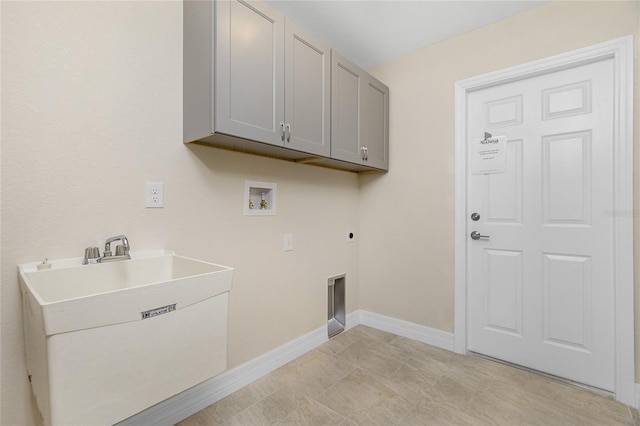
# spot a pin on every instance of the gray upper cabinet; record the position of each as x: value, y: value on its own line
x: 307, y: 92
x: 256, y: 82
x: 376, y: 123
x: 271, y: 81
x: 249, y: 71
x: 346, y: 110
x: 360, y: 116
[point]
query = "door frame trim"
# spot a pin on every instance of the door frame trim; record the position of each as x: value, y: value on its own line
x: 621, y: 51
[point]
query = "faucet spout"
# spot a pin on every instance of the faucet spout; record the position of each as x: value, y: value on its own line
x: 122, y: 250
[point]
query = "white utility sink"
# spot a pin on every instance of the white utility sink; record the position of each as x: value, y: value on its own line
x: 106, y: 341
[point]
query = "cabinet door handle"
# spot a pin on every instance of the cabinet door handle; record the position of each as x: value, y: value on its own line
x: 282, y: 131
x: 288, y: 132
x: 362, y: 152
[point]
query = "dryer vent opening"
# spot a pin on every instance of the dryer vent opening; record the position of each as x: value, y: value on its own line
x: 335, y: 304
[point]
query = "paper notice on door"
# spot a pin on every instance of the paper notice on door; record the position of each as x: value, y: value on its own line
x: 489, y: 155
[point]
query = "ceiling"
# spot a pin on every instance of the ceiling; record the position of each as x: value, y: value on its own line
x: 370, y: 32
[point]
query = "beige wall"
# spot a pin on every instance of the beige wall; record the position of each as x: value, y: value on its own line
x: 91, y: 110
x: 407, y: 216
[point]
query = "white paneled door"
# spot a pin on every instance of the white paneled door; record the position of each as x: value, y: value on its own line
x: 541, y: 286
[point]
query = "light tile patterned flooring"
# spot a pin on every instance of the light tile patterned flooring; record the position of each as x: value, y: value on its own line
x: 369, y: 377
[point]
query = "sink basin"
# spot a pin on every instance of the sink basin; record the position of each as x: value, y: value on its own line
x: 105, y: 341
x: 71, y: 296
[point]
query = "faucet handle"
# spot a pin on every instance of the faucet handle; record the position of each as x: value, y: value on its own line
x: 91, y: 255
x: 121, y: 250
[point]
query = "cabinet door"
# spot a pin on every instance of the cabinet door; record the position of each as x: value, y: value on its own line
x: 346, y: 109
x: 249, y: 83
x: 307, y: 92
x: 197, y: 77
x: 376, y: 123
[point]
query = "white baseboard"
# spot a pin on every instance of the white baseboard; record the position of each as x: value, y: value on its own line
x: 189, y: 402
x: 421, y: 333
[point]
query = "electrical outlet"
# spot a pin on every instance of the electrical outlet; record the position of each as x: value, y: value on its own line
x: 155, y: 195
x: 351, y: 235
x: 288, y: 241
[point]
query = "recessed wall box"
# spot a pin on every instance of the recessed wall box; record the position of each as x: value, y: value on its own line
x: 259, y: 198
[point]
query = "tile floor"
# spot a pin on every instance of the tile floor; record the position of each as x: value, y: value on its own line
x: 369, y: 377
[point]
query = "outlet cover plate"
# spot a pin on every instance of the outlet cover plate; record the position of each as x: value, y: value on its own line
x: 155, y: 195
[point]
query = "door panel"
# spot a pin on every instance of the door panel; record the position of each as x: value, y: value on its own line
x: 564, y: 101
x: 376, y: 110
x: 567, y: 301
x: 346, y: 114
x: 505, y: 189
x: 308, y: 92
x: 540, y: 289
x: 567, y: 178
x: 504, y: 307
x: 504, y: 112
x: 249, y: 71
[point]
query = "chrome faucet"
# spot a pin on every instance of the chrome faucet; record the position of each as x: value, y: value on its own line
x: 122, y: 250
x: 92, y: 254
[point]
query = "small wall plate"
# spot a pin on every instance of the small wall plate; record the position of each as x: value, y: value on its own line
x: 351, y: 235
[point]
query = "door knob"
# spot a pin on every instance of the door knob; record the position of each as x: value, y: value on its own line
x: 475, y: 217
x: 475, y: 235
